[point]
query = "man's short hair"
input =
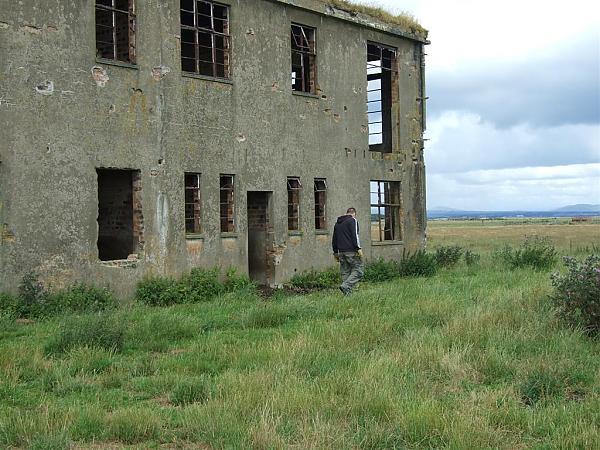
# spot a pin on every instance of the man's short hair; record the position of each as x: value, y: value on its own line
x: 351, y: 211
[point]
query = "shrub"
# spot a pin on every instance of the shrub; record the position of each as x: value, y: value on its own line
x: 448, y: 255
x: 577, y: 293
x: 235, y: 282
x: 9, y: 304
x: 201, y: 284
x: 83, y: 298
x: 471, y: 258
x: 102, y: 331
x: 33, y: 297
x: 313, y: 279
x: 381, y: 270
x: 418, y: 264
x: 158, y: 291
x: 535, y: 252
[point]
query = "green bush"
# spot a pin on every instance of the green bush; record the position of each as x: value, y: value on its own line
x: 33, y: 298
x: 9, y: 304
x: 577, y: 293
x: 83, y: 298
x: 102, y: 331
x: 535, y: 252
x: 471, y: 258
x: 417, y: 264
x: 201, y: 285
x: 158, y: 291
x: 381, y: 270
x: 314, y: 279
x: 448, y: 255
x: 235, y: 282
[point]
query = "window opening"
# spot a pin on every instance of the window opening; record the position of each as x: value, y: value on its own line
x: 385, y: 211
x: 192, y: 204
x: 227, y: 203
x: 381, y: 77
x: 304, y: 56
x: 205, y: 39
x: 294, y: 187
x: 115, y: 30
x: 120, y: 220
x: 320, y: 203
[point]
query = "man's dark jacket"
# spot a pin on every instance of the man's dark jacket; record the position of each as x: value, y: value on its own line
x: 345, y: 235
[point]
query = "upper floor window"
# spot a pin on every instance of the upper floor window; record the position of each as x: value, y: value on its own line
x: 293, y: 188
x: 385, y: 211
x: 304, y: 68
x: 381, y: 83
x: 115, y: 30
x: 205, y: 39
x: 192, y: 204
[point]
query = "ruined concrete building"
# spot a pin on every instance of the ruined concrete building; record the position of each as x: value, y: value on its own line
x: 147, y: 137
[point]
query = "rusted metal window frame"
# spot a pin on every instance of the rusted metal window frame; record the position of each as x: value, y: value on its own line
x: 195, y: 204
x: 307, y: 54
x: 385, y: 94
x: 391, y: 229
x: 294, y: 189
x: 227, y: 200
x: 320, y: 203
x: 225, y: 35
x: 131, y: 20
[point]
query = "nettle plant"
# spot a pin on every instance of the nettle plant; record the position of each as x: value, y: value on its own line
x: 577, y: 293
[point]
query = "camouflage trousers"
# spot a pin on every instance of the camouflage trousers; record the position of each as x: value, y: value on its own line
x: 352, y: 270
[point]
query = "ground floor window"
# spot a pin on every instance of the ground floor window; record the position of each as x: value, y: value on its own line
x: 293, y: 188
x: 320, y: 204
x: 227, y: 198
x: 385, y: 211
x: 193, y: 223
x: 120, y: 220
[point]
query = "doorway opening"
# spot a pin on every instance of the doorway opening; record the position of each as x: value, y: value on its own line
x: 260, y: 237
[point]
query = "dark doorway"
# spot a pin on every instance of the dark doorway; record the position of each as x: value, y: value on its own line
x: 260, y: 237
x: 119, y: 227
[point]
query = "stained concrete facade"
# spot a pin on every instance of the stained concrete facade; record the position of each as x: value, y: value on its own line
x: 64, y: 116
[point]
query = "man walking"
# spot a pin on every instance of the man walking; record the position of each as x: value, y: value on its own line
x: 347, y: 251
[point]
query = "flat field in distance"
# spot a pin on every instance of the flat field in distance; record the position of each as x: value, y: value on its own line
x: 471, y: 358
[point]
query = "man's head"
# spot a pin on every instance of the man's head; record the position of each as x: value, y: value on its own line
x: 351, y: 212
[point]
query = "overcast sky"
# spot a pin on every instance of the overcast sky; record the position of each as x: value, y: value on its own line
x: 514, y: 108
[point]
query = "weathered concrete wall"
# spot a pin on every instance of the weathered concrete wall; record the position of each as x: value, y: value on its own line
x: 63, y: 114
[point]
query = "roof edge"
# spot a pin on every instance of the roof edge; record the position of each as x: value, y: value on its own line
x: 342, y: 10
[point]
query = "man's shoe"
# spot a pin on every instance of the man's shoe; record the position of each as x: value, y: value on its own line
x: 345, y: 291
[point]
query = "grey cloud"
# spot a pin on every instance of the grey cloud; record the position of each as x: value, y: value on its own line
x: 562, y: 87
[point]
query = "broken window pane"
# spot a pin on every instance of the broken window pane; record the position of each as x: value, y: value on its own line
x: 207, y: 25
x: 320, y: 202
x: 227, y: 203
x: 381, y: 82
x: 293, y: 187
x: 115, y: 30
x: 303, y: 59
x: 385, y: 211
x: 192, y: 203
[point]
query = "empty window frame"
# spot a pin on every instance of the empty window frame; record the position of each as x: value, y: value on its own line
x: 205, y: 39
x: 227, y: 198
x: 115, y: 30
x: 293, y: 188
x: 320, y: 204
x: 385, y: 211
x: 381, y: 79
x: 304, y: 67
x: 193, y: 221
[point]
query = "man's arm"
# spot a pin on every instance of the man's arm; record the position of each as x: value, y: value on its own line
x: 334, y: 241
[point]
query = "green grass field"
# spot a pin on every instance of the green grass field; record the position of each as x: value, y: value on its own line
x: 470, y: 358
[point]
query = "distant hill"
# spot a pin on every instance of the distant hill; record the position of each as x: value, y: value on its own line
x: 582, y: 207
x: 443, y: 209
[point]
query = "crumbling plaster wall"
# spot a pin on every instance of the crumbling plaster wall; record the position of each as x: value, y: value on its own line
x: 63, y: 114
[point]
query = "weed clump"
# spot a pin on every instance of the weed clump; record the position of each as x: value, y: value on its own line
x: 540, y: 385
x: 82, y: 298
x: 536, y: 252
x: 448, y: 255
x: 381, y: 270
x: 195, y: 390
x: 197, y: 286
x: 417, y: 264
x: 313, y: 279
x: 577, y: 293
x: 33, y: 297
x: 102, y: 331
x: 471, y: 258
